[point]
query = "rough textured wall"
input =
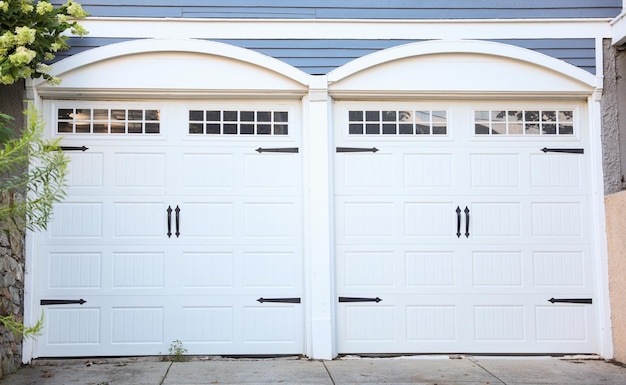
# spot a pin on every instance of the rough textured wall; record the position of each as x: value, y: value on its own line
x: 11, y: 252
x: 611, y: 162
x: 614, y: 162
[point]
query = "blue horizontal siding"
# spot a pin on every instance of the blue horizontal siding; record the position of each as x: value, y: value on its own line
x: 319, y: 56
x: 355, y: 9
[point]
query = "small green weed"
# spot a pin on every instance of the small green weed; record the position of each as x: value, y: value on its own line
x: 177, y: 351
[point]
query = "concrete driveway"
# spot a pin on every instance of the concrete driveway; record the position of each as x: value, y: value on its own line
x: 431, y: 370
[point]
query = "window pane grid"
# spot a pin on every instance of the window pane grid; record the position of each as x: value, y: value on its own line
x: 238, y: 122
x: 397, y: 122
x: 108, y: 121
x: 524, y: 122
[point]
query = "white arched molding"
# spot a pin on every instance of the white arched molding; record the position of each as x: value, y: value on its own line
x: 458, y: 67
x: 173, y: 67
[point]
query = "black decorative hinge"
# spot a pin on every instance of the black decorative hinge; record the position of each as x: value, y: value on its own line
x: 279, y: 300
x: 571, y: 300
x: 61, y: 301
x: 73, y: 148
x: 357, y: 299
x: 293, y: 150
x: 565, y: 150
x: 357, y: 149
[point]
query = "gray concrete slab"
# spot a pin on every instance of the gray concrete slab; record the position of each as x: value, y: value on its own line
x: 418, y: 370
x: 425, y: 370
x: 279, y: 371
x: 90, y: 372
x: 526, y: 371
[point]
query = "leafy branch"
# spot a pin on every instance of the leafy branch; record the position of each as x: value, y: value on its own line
x: 35, y: 167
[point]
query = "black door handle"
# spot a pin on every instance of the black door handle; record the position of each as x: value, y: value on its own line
x: 458, y: 222
x: 177, y: 221
x: 467, y: 222
x: 169, y: 221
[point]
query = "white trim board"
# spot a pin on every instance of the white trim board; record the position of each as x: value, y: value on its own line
x: 344, y: 29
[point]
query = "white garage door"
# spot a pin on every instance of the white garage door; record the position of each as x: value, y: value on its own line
x: 183, y: 222
x: 463, y: 227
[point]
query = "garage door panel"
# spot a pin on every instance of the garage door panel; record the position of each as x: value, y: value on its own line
x: 495, y: 219
x: 493, y: 170
x: 369, y: 269
x: 357, y: 171
x: 208, y: 170
x: 431, y: 323
x: 77, y: 220
x: 428, y: 170
x: 368, y: 323
x: 239, y: 240
x: 524, y: 239
x: 430, y: 269
x: 557, y: 219
x: 136, y: 270
x: 362, y: 220
x: 561, y: 172
x: 207, y: 220
x: 139, y: 170
x: 69, y: 326
x: 207, y: 270
x: 432, y: 219
x: 277, y: 173
x: 380, y: 270
x: 85, y: 171
x: 139, y: 220
x: 196, y: 321
x: 270, y: 220
x: 563, y: 324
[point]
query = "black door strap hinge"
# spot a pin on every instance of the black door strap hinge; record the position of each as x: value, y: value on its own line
x: 357, y: 299
x: 293, y: 150
x: 564, y: 150
x: 279, y: 300
x: 357, y: 149
x: 62, y: 301
x: 571, y: 300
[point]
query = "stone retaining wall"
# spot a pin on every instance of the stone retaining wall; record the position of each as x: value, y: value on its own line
x: 11, y: 251
x: 11, y: 297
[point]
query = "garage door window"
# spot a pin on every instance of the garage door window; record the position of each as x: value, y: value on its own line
x: 397, y: 122
x: 108, y: 121
x: 524, y: 122
x: 231, y: 122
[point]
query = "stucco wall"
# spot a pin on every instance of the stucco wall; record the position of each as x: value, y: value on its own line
x: 611, y: 161
x: 616, y: 232
x: 614, y: 162
x: 11, y: 252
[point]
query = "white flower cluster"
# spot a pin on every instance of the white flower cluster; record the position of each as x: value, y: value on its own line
x: 38, y: 35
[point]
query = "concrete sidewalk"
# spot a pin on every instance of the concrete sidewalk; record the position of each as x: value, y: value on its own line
x: 430, y: 370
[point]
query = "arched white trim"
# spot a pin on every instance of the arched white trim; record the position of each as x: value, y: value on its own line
x: 461, y: 46
x: 176, y: 45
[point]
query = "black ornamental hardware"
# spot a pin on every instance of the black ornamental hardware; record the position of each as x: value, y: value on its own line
x: 169, y: 221
x: 467, y: 222
x: 177, y: 221
x: 293, y: 150
x: 458, y: 222
x: 61, y: 301
x: 357, y: 299
x: 564, y: 150
x: 70, y: 148
x: 357, y: 149
x: 74, y: 148
x: 571, y: 300
x: 279, y: 300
